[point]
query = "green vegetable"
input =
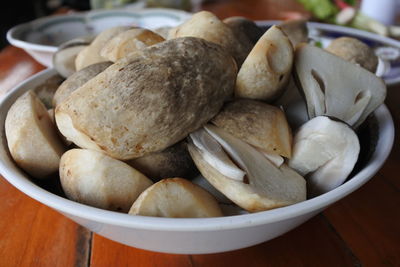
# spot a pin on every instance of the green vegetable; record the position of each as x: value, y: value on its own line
x: 366, y: 23
x: 321, y: 9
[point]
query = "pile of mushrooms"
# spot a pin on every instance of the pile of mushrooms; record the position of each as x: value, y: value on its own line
x: 139, y: 116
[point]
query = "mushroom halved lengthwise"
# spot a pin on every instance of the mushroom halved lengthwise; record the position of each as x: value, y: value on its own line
x: 267, y: 68
x: 32, y: 137
x: 264, y: 187
x: 335, y: 87
x: 176, y: 198
x: 95, y: 179
x: 325, y: 152
x: 258, y: 124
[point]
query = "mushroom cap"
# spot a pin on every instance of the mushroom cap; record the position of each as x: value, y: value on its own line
x: 266, y: 70
x: 355, y: 51
x: 95, y: 179
x: 150, y: 101
x: 174, y: 161
x: 32, y: 137
x: 257, y: 123
x: 128, y: 42
x: 76, y: 80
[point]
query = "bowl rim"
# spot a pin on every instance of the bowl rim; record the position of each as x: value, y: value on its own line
x: 19, y: 180
x: 14, y: 34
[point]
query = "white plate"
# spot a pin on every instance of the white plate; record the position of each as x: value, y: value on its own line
x: 41, y: 37
x: 386, y: 48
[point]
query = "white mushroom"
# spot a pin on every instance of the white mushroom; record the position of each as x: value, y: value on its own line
x: 266, y: 70
x: 176, y: 198
x: 32, y: 137
x: 214, y: 155
x: 128, y: 42
x: 91, y: 54
x: 326, y: 151
x: 265, y: 186
x: 335, y: 87
x: 64, y: 58
x: 95, y: 179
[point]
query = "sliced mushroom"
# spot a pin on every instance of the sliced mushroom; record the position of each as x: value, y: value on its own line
x: 64, y: 58
x: 335, y: 87
x: 91, y: 54
x: 266, y: 187
x: 259, y: 124
x: 214, y: 155
x: 326, y: 151
x: 207, y: 26
x: 32, y: 137
x: 266, y: 70
x: 241, y: 25
x: 296, y: 30
x: 176, y: 198
x: 174, y: 161
x: 78, y: 79
x: 128, y: 42
x: 93, y: 178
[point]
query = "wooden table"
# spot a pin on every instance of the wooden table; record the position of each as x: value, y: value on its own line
x: 362, y: 229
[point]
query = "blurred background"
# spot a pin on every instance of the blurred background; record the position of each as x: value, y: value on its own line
x: 371, y: 15
x: 18, y: 11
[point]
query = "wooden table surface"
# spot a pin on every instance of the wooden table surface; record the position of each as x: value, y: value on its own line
x: 362, y: 229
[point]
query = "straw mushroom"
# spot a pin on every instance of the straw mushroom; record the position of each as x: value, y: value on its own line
x: 296, y: 30
x: 150, y: 101
x: 76, y: 80
x: 335, y: 87
x: 264, y: 185
x: 176, y: 198
x: 128, y: 42
x: 174, y: 161
x: 64, y: 58
x: 355, y: 51
x: 259, y: 124
x: 325, y: 151
x: 32, y: 137
x: 91, y: 54
x: 243, y: 26
x: 93, y: 178
x: 207, y: 26
x: 267, y: 68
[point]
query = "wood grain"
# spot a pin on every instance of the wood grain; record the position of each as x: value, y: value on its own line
x: 314, y: 243
x: 15, y: 66
x: 368, y: 221
x: 256, y: 9
x: 32, y: 234
x: 360, y: 230
x: 109, y: 253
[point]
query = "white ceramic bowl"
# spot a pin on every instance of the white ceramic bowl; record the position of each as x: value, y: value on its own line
x: 188, y: 236
x: 40, y: 38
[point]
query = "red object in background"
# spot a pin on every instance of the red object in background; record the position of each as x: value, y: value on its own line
x: 341, y: 4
